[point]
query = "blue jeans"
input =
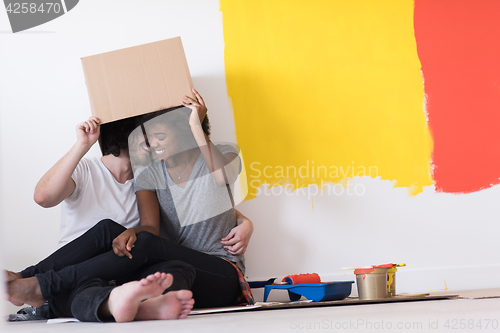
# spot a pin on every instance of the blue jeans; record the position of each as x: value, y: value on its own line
x: 67, y: 272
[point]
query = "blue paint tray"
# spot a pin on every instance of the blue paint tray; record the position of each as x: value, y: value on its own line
x: 317, y: 292
x: 260, y: 284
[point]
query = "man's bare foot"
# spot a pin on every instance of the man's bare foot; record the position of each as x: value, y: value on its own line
x: 11, y: 276
x: 21, y: 291
x: 172, y: 305
x: 124, y: 301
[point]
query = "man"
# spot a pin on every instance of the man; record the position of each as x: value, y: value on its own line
x: 92, y: 189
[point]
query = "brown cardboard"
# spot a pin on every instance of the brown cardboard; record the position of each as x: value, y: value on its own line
x: 137, y: 80
x: 306, y: 304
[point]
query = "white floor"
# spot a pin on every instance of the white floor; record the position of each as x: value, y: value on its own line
x: 463, y: 315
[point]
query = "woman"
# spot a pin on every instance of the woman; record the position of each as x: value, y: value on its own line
x: 185, y: 196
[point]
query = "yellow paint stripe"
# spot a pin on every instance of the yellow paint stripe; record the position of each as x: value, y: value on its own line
x: 332, y: 87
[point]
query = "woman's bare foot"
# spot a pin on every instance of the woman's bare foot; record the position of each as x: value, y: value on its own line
x: 11, y: 276
x: 124, y: 301
x: 172, y: 305
x: 21, y: 291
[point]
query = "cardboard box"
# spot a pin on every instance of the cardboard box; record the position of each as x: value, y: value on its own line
x: 137, y: 80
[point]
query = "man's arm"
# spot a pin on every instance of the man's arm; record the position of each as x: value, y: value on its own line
x: 56, y: 185
x: 237, y: 240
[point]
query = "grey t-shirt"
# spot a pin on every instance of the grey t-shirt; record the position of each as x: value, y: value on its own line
x: 199, y: 215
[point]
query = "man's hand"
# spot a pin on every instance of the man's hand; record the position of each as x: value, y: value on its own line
x: 123, y: 244
x: 88, y: 131
x: 236, y: 242
x: 57, y: 184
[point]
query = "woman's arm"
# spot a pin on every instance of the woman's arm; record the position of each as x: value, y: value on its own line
x: 216, y: 161
x: 57, y: 184
x: 149, y: 213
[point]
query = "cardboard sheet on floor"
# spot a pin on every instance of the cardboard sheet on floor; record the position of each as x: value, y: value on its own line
x: 62, y: 320
x: 224, y: 309
x: 303, y: 304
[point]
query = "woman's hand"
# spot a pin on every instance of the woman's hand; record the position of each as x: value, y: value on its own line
x: 198, y: 106
x: 236, y: 242
x: 123, y: 244
x: 88, y: 131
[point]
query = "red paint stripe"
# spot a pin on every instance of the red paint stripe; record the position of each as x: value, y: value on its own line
x: 458, y: 43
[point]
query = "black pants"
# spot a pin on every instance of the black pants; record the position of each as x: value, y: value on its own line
x: 83, y: 303
x: 65, y: 273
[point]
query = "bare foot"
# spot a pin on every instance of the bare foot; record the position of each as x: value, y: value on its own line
x: 11, y: 276
x: 124, y: 300
x: 21, y: 291
x: 172, y: 305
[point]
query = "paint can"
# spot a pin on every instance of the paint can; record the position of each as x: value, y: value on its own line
x: 372, y: 283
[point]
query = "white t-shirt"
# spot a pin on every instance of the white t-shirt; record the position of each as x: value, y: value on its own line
x: 97, y: 196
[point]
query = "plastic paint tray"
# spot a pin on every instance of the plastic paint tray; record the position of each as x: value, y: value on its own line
x: 260, y: 284
x: 317, y: 292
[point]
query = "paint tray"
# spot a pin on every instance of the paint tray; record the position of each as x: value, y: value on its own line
x: 260, y: 284
x: 317, y: 292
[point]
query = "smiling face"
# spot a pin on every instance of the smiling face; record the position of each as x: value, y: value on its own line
x: 162, y: 140
x: 168, y: 134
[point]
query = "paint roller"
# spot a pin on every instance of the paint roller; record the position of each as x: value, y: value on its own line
x: 294, y: 279
x: 302, y: 278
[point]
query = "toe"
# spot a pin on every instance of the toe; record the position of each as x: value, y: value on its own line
x: 184, y: 295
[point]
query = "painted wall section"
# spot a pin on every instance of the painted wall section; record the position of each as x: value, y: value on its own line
x: 458, y: 46
x: 326, y: 90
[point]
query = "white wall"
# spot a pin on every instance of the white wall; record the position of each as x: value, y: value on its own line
x: 442, y: 237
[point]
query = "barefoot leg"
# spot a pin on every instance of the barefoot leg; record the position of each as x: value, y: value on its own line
x: 124, y: 301
x: 172, y: 305
x: 21, y: 291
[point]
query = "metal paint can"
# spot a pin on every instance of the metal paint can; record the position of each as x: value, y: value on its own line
x: 372, y: 283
